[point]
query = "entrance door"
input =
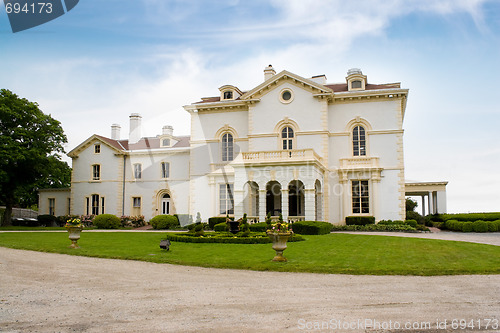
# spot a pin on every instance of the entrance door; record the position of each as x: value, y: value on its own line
x: 165, y: 204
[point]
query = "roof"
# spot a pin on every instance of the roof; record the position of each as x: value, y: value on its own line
x: 123, y: 145
x: 339, y: 87
x: 335, y: 87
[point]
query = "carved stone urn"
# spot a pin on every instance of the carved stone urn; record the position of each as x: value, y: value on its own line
x: 279, y: 240
x: 74, y: 236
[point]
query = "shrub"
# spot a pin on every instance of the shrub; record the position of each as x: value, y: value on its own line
x: 215, y: 220
x: 311, y: 227
x: 107, y: 221
x: 221, y: 227
x: 412, y: 223
x: 470, y: 217
x: 193, y: 225
x: 164, y: 222
x: 259, y: 227
x: 359, y: 220
x: 493, y: 226
x: 46, y: 220
x: 480, y: 226
x: 467, y: 226
x: 374, y: 227
x: 132, y: 221
x: 226, y: 238
x: 415, y: 216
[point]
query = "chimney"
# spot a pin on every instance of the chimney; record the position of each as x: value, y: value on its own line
x: 321, y: 79
x: 168, y: 130
x: 269, y: 72
x: 135, y: 128
x: 115, y: 132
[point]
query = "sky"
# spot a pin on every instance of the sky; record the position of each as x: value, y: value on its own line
x: 104, y: 60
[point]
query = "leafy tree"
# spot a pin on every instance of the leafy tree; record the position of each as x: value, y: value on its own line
x: 411, y: 205
x: 30, y: 143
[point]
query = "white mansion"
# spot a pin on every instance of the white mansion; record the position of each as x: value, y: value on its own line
x: 297, y: 146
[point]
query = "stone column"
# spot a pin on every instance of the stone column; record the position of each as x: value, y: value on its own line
x: 284, y: 203
x: 423, y: 204
x: 431, y: 204
x: 238, y: 203
x: 310, y: 204
x: 262, y: 205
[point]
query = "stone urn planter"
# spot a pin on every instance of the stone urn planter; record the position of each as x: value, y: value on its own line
x: 234, y: 226
x: 74, y: 235
x: 279, y: 243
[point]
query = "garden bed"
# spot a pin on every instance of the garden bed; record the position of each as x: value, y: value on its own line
x: 226, y: 237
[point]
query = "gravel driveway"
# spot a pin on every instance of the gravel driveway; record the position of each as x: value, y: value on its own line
x: 44, y: 292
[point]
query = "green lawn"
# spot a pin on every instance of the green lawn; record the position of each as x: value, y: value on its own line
x: 332, y: 253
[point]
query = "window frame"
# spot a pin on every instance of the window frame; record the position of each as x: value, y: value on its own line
x: 287, y: 139
x: 96, y: 172
x: 137, y: 170
x: 359, y: 142
x: 165, y: 170
x: 226, y: 199
x: 97, y: 148
x: 360, y: 196
x: 227, y: 147
x: 227, y: 95
x: 52, y: 206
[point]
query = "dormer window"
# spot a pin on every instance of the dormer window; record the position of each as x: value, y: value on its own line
x: 356, y: 80
x: 228, y: 94
x: 165, y: 143
x: 356, y: 84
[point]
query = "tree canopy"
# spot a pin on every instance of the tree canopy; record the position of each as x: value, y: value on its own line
x: 30, y: 146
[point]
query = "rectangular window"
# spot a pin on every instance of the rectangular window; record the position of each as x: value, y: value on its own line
x: 226, y: 200
x: 360, y: 197
x: 97, y: 149
x: 102, y: 205
x: 95, y: 204
x: 69, y: 206
x: 87, y: 199
x: 136, y: 202
x: 52, y: 206
x: 137, y: 171
x: 165, y: 170
x: 96, y: 172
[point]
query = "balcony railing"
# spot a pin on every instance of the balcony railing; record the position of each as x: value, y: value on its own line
x: 293, y: 155
x: 359, y: 162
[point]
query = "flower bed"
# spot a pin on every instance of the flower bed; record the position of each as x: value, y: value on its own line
x: 226, y: 237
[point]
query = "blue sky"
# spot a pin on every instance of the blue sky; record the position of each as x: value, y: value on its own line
x: 106, y: 59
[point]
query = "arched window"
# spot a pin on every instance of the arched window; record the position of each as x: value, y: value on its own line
x: 287, y: 138
x: 227, y: 147
x: 165, y: 204
x: 359, y: 141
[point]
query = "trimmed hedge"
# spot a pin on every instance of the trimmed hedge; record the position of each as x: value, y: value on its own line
x: 226, y: 237
x: 258, y: 227
x: 107, y: 221
x: 411, y: 223
x: 375, y: 227
x: 212, y: 221
x: 221, y: 226
x: 311, y: 227
x: 471, y: 217
x: 359, y: 220
x: 476, y: 226
x: 164, y: 222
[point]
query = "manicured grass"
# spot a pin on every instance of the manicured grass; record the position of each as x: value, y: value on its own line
x: 332, y: 253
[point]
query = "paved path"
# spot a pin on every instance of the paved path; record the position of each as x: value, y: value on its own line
x: 44, y: 292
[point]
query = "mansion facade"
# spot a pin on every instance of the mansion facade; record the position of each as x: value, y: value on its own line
x: 295, y: 146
